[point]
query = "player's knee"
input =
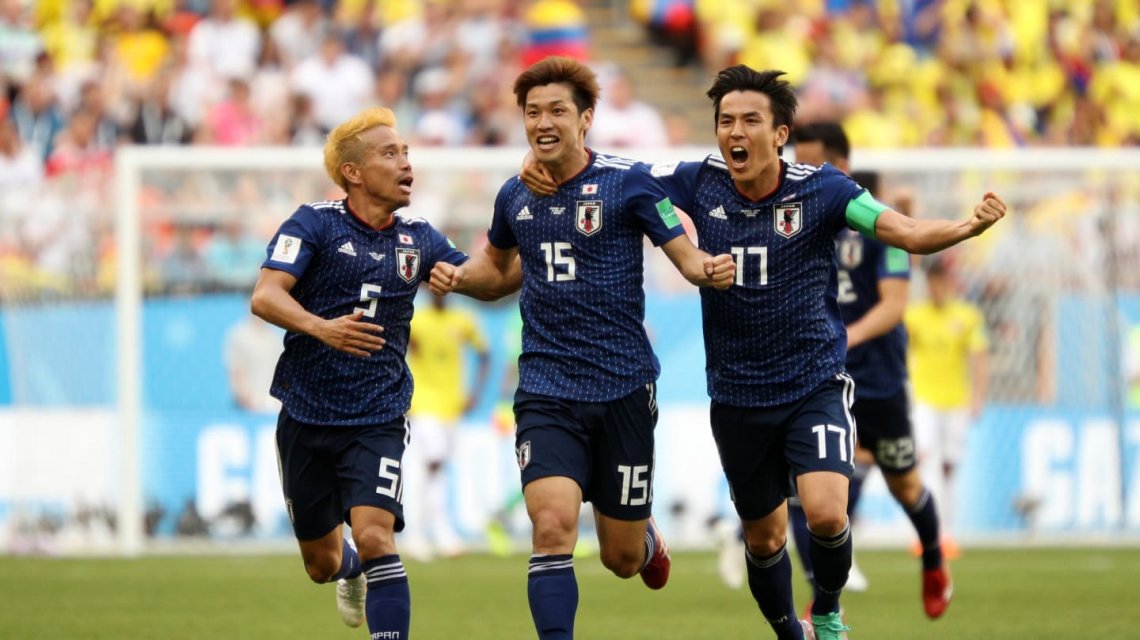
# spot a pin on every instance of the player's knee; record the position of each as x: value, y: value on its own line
x: 625, y: 562
x: 554, y: 531
x: 322, y: 568
x: 374, y: 542
x: 765, y: 546
x: 827, y: 522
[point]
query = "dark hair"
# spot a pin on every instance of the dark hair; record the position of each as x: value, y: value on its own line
x: 745, y: 78
x: 869, y: 180
x: 559, y: 70
x: 828, y: 134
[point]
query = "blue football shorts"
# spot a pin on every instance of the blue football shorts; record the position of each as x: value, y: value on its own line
x: 761, y: 447
x: 606, y: 447
x: 885, y: 430
x: 326, y: 471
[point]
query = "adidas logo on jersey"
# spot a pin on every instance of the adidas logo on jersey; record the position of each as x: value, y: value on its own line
x: 347, y: 249
x: 524, y: 214
x: 718, y: 213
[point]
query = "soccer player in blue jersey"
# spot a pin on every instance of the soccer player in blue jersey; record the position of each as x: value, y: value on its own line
x: 872, y: 292
x: 775, y: 342
x: 340, y: 278
x: 585, y: 407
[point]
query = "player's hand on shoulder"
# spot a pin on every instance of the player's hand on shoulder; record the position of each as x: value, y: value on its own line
x: 351, y: 334
x: 987, y: 213
x: 721, y: 269
x: 537, y: 177
x: 444, y: 277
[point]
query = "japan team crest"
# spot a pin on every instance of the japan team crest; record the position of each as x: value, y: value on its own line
x: 851, y: 252
x: 589, y: 218
x: 523, y: 453
x: 407, y: 264
x: 789, y: 218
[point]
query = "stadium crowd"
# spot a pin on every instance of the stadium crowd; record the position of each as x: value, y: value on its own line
x: 78, y: 78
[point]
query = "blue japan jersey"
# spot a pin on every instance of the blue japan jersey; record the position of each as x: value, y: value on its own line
x: 342, y: 265
x: 776, y: 334
x: 878, y: 366
x: 582, y: 301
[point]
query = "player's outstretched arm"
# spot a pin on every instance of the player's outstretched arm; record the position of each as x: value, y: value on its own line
x: 699, y: 267
x: 930, y: 236
x: 488, y: 275
x: 273, y: 302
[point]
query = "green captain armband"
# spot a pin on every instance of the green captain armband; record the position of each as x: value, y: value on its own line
x: 862, y: 212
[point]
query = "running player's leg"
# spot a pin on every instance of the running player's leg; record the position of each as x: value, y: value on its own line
x: 621, y: 440
x: 553, y: 456
x: 313, y: 500
x: 820, y: 449
x: 751, y: 449
x: 373, y: 486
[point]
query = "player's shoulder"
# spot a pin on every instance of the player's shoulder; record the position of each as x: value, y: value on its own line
x: 617, y: 163
x: 335, y: 207
x: 801, y: 171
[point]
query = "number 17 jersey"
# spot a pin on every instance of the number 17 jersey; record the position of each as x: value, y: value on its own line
x: 582, y: 301
x: 776, y: 334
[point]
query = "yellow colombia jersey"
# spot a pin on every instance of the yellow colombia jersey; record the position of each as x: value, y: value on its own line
x: 439, y: 337
x: 942, y: 339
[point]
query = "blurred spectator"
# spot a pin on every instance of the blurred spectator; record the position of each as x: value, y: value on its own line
x: 20, y: 166
x: 155, y: 121
x: 232, y: 256
x: 299, y: 31
x: 225, y: 43
x: 392, y: 92
x: 92, y: 99
x: 138, y: 48
x: 251, y: 349
x: 19, y: 43
x: 72, y: 40
x: 79, y: 150
x: 233, y: 122
x: 37, y: 116
x: 338, y: 83
x: 622, y: 121
x: 678, y: 130
x: 671, y: 23
x: 360, y: 31
x: 182, y: 269
x: 419, y: 41
x: 438, y: 123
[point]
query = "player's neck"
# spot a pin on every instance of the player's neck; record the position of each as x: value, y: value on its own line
x: 377, y: 215
x: 763, y: 185
x: 570, y: 166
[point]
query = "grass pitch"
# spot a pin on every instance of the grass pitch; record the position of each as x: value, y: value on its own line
x: 1014, y: 594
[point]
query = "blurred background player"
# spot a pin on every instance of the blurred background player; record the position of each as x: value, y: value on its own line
x: 586, y: 406
x: 251, y: 350
x: 340, y: 278
x: 949, y: 367
x: 873, y: 289
x: 441, y: 336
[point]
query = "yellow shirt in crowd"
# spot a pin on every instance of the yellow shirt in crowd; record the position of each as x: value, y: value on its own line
x: 942, y: 340
x: 439, y: 337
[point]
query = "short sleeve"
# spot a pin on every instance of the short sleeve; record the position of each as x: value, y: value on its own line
x: 895, y: 263
x: 646, y: 200
x: 679, y: 180
x: 442, y: 250
x: 840, y: 190
x: 500, y: 235
x: 296, y: 242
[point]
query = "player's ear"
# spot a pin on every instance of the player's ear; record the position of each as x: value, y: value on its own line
x: 587, y: 119
x: 782, y: 132
x: 351, y: 172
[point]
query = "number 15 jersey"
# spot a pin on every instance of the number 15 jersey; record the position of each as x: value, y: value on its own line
x: 582, y: 301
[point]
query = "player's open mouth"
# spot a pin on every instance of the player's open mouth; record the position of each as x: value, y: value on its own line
x: 546, y: 143
x: 406, y: 184
x: 739, y: 156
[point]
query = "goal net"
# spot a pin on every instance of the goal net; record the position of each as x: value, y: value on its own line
x: 133, y: 405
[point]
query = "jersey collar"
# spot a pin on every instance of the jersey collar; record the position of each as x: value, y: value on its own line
x: 774, y: 191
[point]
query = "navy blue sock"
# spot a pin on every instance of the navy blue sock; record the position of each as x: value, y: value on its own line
x: 802, y: 537
x: 831, y: 558
x: 923, y: 515
x: 349, y: 563
x: 770, y: 581
x: 553, y: 594
x: 388, y: 606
